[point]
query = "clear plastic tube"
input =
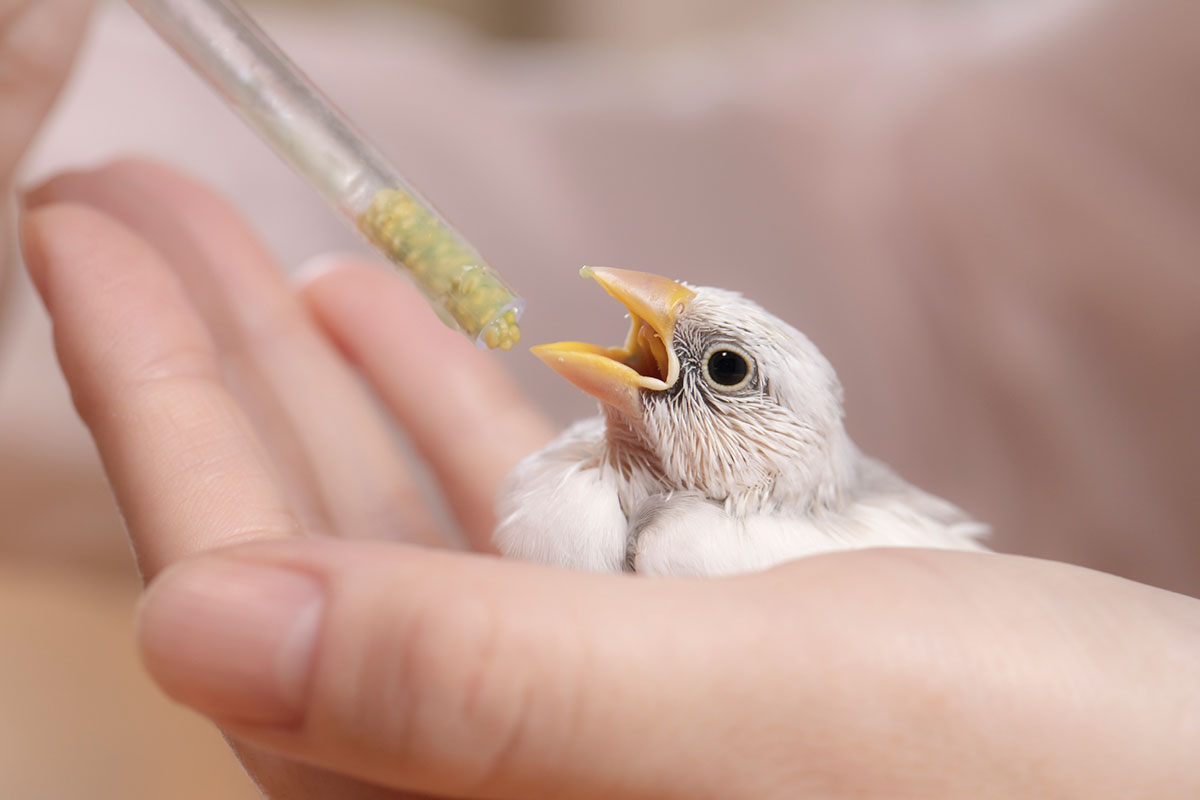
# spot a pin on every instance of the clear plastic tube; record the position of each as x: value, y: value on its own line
x: 225, y: 46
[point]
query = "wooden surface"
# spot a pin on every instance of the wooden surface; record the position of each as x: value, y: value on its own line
x: 78, y: 716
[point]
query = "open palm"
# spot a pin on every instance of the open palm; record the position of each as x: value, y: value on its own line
x: 222, y: 407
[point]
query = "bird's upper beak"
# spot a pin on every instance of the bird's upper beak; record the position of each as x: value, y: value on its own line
x: 647, y: 361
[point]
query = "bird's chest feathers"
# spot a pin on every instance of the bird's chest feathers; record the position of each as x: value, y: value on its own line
x: 746, y: 468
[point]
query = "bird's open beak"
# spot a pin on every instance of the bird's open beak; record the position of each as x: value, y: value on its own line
x: 614, y: 375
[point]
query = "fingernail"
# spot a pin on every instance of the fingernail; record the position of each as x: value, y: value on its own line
x: 233, y: 639
x: 32, y: 197
x: 318, y: 266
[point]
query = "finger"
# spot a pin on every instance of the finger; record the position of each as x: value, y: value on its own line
x: 186, y: 470
x: 38, y: 40
x: 460, y: 675
x: 286, y: 779
x: 183, y: 460
x: 465, y: 414
x: 873, y: 674
x: 335, y: 450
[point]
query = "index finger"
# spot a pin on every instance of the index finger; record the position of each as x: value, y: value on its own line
x: 188, y: 472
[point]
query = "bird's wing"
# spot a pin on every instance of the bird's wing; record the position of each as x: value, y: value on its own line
x: 560, y: 506
x: 899, y: 514
x: 687, y: 534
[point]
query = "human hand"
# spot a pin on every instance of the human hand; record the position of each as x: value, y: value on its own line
x: 38, y: 39
x: 187, y: 331
x: 247, y: 461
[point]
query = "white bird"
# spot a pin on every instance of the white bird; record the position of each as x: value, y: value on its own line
x: 720, y: 449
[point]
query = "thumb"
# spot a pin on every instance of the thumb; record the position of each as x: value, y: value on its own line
x: 461, y: 675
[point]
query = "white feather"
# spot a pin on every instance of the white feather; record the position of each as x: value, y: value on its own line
x: 707, y: 482
x: 559, y: 506
x: 687, y: 534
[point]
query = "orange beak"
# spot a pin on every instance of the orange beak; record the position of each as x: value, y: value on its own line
x: 615, y: 375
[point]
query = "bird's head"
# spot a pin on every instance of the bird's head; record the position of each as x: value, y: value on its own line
x: 711, y: 393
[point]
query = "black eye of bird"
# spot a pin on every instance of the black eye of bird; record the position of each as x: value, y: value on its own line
x: 727, y: 368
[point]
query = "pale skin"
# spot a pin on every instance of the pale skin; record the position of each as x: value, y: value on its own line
x: 38, y: 39
x: 251, y: 465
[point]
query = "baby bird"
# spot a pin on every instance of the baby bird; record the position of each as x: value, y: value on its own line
x: 719, y: 449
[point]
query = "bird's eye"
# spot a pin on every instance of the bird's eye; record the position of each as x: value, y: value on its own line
x: 726, y: 368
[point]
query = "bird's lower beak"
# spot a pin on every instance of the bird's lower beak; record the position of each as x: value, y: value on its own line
x: 615, y: 375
